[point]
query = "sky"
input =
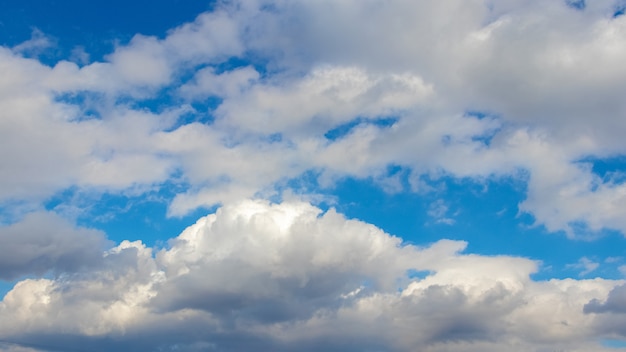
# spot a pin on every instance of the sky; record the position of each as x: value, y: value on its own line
x: 355, y: 175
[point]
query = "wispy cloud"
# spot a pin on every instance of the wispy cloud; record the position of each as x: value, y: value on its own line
x: 586, y: 266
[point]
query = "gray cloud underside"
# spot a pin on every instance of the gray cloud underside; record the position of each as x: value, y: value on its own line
x: 288, y: 277
x: 43, y: 242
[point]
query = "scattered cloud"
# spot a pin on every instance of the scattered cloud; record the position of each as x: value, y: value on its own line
x: 36, y: 45
x: 431, y: 135
x: 438, y: 211
x: 586, y: 265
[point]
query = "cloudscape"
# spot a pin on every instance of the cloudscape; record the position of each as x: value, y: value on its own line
x: 354, y: 175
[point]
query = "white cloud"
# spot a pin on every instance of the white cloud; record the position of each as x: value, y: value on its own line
x: 558, y: 80
x: 438, y: 211
x: 49, y: 145
x: 36, y: 45
x: 142, y: 62
x: 323, y: 99
x: 586, y: 266
x: 551, y: 88
x: 231, y: 83
x: 286, y: 275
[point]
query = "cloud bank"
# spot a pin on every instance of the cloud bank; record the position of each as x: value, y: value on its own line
x: 289, y: 276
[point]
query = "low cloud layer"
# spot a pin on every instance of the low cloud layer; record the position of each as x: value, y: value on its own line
x: 289, y: 276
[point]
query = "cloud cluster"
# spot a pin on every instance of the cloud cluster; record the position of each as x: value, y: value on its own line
x: 289, y: 276
x: 255, y: 94
x: 549, y: 73
x: 507, y: 87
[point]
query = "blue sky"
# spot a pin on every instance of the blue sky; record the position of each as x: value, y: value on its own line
x: 397, y: 176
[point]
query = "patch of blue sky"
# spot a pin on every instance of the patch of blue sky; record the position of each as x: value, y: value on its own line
x: 248, y: 60
x: 128, y: 217
x: 401, y: 214
x: 157, y: 104
x: 402, y: 172
x: 479, y: 114
x: 88, y: 103
x: 305, y: 184
x: 6, y: 286
x: 492, y: 225
x: 487, y: 137
x: 66, y: 195
x: 417, y: 274
x: 202, y: 112
x: 142, y: 219
x: 13, y: 210
x: 96, y: 25
x: 483, y: 214
x: 613, y: 343
x: 157, y: 101
x: 619, y: 8
x: 576, y: 4
x: 275, y: 138
x: 344, y: 129
x: 611, y: 169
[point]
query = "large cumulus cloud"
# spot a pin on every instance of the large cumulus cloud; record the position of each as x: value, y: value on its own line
x: 289, y: 276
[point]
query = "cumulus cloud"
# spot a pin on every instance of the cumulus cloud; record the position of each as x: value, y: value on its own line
x: 290, y: 276
x: 523, y: 89
x: 547, y: 78
x: 615, y: 302
x: 540, y: 76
